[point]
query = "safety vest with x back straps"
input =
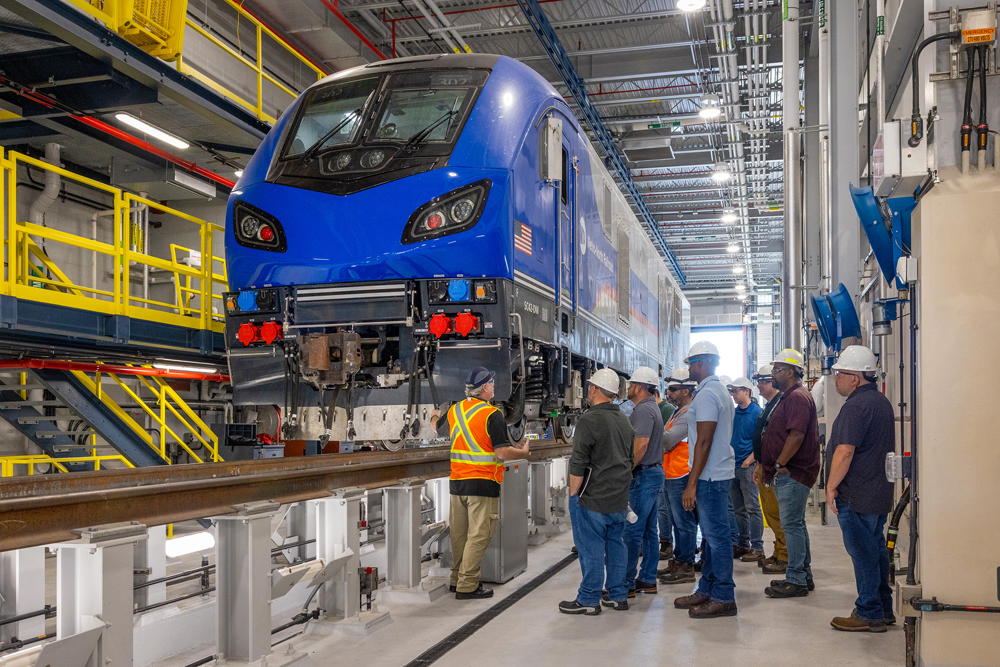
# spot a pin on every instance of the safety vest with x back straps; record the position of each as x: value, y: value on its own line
x: 472, y: 455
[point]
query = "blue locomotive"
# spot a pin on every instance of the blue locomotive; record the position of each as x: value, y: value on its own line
x: 407, y: 220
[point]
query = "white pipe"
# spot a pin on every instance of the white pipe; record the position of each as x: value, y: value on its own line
x: 380, y: 28
x: 49, y: 194
x: 825, y: 216
x: 791, y: 313
x: 434, y: 24
x: 447, y: 24
x: 996, y: 152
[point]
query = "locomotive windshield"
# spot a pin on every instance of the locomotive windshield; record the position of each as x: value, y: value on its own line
x: 354, y: 134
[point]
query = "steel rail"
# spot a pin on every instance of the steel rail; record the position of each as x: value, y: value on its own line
x: 36, y: 511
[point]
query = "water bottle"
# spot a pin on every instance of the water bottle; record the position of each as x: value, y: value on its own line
x: 631, y: 517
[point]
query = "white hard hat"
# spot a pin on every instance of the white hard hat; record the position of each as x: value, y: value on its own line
x: 856, y: 358
x: 764, y: 372
x: 741, y: 383
x: 791, y: 357
x: 680, y: 376
x: 725, y: 380
x: 700, y: 349
x: 606, y: 379
x: 645, y: 375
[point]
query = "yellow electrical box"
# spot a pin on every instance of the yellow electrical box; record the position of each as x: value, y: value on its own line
x: 155, y: 26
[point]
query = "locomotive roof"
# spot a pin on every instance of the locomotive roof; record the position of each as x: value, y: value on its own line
x: 435, y: 60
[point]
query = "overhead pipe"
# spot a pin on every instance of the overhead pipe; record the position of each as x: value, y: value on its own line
x: 91, y: 367
x: 343, y: 19
x: 49, y: 194
x: 435, y: 24
x: 381, y: 30
x: 791, y: 312
x: 445, y: 23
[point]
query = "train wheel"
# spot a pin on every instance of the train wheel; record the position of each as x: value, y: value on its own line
x: 516, y: 431
x: 563, y: 428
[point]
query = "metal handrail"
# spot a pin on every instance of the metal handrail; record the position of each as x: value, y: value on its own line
x: 7, y: 463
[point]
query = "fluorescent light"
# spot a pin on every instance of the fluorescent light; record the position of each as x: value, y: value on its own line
x: 690, y: 5
x: 738, y: 268
x: 733, y: 248
x: 239, y: 173
x: 184, y: 369
x: 729, y: 217
x: 156, y: 132
x: 190, y: 544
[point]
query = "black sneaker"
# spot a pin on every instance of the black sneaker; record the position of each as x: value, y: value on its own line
x: 649, y: 588
x: 608, y: 602
x: 574, y: 607
x: 890, y: 618
x: 785, y: 589
x: 480, y: 593
x: 453, y: 589
x: 810, y: 584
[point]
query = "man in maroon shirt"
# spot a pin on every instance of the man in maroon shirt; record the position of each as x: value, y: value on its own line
x: 791, y: 463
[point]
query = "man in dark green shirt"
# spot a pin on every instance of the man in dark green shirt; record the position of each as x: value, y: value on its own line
x: 600, y: 472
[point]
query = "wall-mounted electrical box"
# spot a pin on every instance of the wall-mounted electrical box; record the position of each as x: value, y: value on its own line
x: 897, y: 168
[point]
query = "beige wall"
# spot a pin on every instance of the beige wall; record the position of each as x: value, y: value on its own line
x: 958, y: 418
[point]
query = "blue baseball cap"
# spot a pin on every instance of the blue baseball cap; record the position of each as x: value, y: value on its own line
x: 479, y: 376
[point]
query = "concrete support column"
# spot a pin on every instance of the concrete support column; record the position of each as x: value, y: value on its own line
x: 243, y: 582
x: 94, y: 588
x: 22, y: 585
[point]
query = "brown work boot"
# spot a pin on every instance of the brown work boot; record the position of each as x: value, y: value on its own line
x: 738, y: 552
x: 766, y: 561
x: 692, y: 600
x: 682, y: 574
x: 752, y: 556
x: 668, y: 568
x: 777, y: 567
x: 666, y: 550
x: 854, y: 624
x: 713, y: 609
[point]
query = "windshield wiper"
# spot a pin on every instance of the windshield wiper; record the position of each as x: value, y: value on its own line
x: 308, y: 154
x: 421, y: 136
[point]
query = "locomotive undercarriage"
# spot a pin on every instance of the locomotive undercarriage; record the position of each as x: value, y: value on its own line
x: 370, y: 361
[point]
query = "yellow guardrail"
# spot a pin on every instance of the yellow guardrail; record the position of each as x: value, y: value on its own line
x: 7, y: 463
x: 255, y: 64
x: 32, y: 273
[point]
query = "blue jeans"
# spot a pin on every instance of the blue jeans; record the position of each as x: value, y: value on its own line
x: 663, y: 517
x: 865, y: 544
x: 746, y: 505
x: 792, y: 498
x: 717, y: 555
x: 685, y: 525
x: 644, y: 497
x: 599, y: 541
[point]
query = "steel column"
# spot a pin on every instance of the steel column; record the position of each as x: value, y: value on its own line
x: 22, y: 587
x: 337, y: 534
x: 94, y: 588
x: 402, y: 533
x: 243, y: 582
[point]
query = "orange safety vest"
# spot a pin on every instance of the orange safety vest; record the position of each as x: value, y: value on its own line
x: 472, y: 454
x: 675, y: 462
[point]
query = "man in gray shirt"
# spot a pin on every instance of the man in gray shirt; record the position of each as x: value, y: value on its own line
x: 647, y: 480
x: 600, y: 471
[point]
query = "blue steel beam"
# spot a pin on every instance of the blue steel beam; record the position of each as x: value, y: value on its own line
x: 557, y: 54
x: 28, y: 421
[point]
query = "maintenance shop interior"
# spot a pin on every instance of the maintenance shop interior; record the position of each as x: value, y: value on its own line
x: 479, y: 332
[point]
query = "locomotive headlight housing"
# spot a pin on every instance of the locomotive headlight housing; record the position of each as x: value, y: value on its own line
x: 254, y: 228
x: 452, y: 212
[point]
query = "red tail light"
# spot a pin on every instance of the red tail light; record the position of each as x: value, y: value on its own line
x: 266, y: 234
x: 440, y: 325
x: 465, y: 323
x: 247, y: 334
x: 270, y: 332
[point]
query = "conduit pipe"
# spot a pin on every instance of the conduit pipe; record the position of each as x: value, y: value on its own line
x: 91, y: 367
x: 825, y: 213
x: 791, y: 313
x: 435, y: 24
x: 380, y: 29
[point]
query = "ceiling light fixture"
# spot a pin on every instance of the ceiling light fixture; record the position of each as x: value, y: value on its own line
x: 156, y: 132
x: 690, y: 5
x: 732, y: 248
x: 710, y: 106
x: 740, y: 287
x: 721, y: 173
x: 185, y: 369
x: 729, y: 216
x: 738, y: 268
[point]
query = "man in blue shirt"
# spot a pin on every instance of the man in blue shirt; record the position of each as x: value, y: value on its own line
x: 710, y: 430
x: 746, y: 516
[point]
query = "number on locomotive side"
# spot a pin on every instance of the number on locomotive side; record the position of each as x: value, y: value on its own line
x: 531, y: 308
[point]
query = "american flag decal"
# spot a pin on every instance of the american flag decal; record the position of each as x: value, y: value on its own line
x: 522, y: 237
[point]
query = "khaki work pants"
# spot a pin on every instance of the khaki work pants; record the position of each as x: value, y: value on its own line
x: 474, y: 522
x: 769, y: 505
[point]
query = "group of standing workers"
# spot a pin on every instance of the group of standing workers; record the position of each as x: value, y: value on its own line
x: 707, y: 457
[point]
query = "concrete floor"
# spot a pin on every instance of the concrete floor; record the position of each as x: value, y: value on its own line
x: 766, y: 632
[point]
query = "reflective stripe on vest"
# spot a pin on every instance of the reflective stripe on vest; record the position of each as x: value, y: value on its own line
x: 675, y: 462
x: 472, y: 455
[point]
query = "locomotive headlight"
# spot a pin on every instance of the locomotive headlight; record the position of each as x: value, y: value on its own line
x: 341, y: 161
x: 452, y: 212
x: 253, y: 228
x: 372, y: 159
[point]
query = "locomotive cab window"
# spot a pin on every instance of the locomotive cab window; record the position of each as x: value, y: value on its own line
x: 332, y: 116
x: 564, y: 183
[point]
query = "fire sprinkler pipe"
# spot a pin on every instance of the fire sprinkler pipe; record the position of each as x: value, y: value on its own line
x: 90, y: 367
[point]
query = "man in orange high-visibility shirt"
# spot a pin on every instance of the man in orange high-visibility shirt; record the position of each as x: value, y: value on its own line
x: 479, y: 446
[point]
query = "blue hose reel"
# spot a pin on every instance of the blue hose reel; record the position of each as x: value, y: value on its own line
x: 836, y: 317
x: 887, y: 228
